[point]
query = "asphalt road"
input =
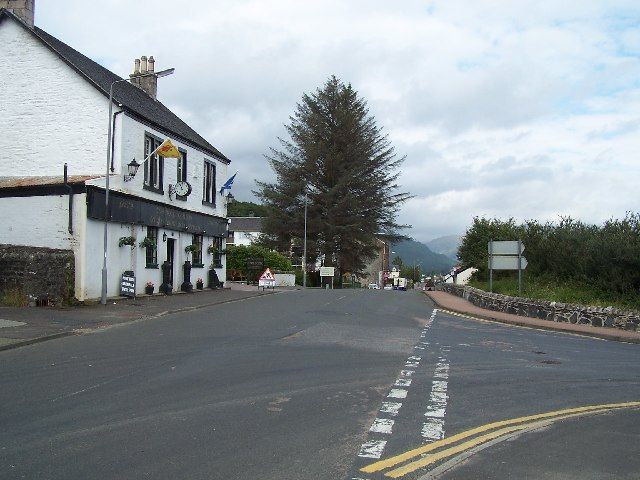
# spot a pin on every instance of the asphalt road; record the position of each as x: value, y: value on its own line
x: 310, y: 385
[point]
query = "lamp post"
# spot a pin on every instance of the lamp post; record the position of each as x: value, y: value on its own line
x: 163, y: 73
x: 304, y: 249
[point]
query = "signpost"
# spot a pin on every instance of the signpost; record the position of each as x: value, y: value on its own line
x: 267, y: 280
x: 506, y: 255
x: 128, y: 284
x: 328, y: 272
x: 255, y: 265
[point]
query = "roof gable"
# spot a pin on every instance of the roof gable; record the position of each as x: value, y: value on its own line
x: 133, y: 99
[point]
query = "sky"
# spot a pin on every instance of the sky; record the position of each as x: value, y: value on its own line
x: 502, y: 108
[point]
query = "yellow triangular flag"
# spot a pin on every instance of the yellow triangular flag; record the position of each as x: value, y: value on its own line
x: 168, y: 150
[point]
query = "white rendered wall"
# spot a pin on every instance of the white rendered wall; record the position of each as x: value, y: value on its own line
x: 49, y: 114
x: 244, y: 238
x: 120, y: 259
x: 129, y: 138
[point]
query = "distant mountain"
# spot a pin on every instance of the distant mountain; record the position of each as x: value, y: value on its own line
x: 411, y: 251
x: 447, y: 245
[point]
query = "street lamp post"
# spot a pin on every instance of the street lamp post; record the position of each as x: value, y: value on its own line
x: 163, y: 73
x: 304, y: 249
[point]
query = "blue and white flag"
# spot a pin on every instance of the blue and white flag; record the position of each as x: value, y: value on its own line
x: 228, y: 183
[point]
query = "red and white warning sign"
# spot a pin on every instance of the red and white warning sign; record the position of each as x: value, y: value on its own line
x: 267, y: 279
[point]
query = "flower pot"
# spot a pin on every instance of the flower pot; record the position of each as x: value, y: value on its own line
x: 199, y: 285
x: 148, y: 290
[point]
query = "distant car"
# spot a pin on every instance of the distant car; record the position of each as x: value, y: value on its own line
x: 388, y: 287
x: 374, y: 286
x: 429, y: 285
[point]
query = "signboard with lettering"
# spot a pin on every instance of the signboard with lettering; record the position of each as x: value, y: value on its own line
x: 327, y: 271
x: 128, y: 209
x: 128, y: 284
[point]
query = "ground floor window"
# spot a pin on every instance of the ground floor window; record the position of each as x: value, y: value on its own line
x: 197, y: 253
x: 217, y: 254
x: 152, y: 247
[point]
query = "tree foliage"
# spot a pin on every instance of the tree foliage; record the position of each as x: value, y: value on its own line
x: 606, y: 257
x: 339, y: 158
x: 246, y: 209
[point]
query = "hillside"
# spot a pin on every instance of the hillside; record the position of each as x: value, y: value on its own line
x: 411, y: 251
x: 447, y: 245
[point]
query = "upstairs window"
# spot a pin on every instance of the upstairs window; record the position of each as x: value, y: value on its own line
x: 209, y: 186
x: 154, y: 167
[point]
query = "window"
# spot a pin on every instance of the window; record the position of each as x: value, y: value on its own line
x: 153, y: 168
x: 217, y: 257
x: 181, y: 172
x: 197, y: 254
x: 209, y: 195
x: 152, y: 251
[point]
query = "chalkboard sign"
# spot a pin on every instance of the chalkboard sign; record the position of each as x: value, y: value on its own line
x: 128, y: 284
x: 255, y: 263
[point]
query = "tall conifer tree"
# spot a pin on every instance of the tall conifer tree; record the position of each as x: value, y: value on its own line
x: 347, y: 167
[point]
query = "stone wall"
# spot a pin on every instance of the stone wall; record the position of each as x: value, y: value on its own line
x: 36, y: 275
x: 545, y: 310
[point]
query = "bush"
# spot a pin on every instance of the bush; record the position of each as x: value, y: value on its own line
x: 591, y: 258
x: 237, y: 259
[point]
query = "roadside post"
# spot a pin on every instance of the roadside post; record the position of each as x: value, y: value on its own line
x: 506, y: 255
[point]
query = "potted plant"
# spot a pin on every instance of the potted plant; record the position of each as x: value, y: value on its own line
x: 131, y: 241
x: 199, y: 284
x: 191, y: 248
x: 148, y: 242
x: 148, y: 288
x: 212, y: 249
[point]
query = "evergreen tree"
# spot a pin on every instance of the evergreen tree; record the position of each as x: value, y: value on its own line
x: 346, y: 167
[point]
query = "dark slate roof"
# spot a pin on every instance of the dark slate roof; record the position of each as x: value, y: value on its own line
x: 133, y: 99
x: 245, y: 224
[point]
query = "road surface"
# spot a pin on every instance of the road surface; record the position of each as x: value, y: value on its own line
x: 319, y: 384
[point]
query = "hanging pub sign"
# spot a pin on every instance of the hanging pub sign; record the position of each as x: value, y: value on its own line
x: 128, y: 284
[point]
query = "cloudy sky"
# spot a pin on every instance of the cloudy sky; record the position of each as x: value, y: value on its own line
x: 502, y: 108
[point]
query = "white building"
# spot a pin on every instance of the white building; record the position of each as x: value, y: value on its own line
x: 54, y: 111
x: 244, y: 230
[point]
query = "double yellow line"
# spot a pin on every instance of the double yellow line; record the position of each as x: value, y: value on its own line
x: 495, y: 430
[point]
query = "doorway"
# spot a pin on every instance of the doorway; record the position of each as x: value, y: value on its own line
x: 171, y: 247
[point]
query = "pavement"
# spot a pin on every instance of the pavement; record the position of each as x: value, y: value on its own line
x: 461, y: 306
x: 20, y: 326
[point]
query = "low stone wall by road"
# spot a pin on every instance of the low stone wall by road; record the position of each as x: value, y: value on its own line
x: 553, y: 311
x: 36, y: 275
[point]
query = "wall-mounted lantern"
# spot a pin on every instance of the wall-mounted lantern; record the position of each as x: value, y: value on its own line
x: 164, y: 237
x: 132, y: 169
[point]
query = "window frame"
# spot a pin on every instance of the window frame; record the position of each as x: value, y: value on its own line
x: 151, y: 253
x: 155, y: 164
x: 217, y: 257
x: 181, y: 171
x: 196, y: 256
x: 209, y: 189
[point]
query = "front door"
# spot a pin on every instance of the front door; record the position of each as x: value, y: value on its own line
x: 171, y: 244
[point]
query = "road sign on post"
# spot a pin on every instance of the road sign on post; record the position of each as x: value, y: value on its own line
x: 328, y: 272
x: 506, y: 255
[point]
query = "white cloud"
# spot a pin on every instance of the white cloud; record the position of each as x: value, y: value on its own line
x: 503, y: 108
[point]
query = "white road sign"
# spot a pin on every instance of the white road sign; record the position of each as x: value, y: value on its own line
x: 507, y: 262
x: 327, y: 271
x: 505, y: 248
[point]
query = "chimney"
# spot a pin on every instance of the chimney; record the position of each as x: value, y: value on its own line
x: 148, y: 83
x: 23, y: 9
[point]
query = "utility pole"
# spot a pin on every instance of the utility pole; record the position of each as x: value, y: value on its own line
x: 304, y: 249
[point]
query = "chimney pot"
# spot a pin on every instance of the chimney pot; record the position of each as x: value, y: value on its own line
x: 151, y: 64
x: 143, y: 64
x: 136, y: 66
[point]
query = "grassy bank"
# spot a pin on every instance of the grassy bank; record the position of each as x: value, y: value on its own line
x: 560, y: 291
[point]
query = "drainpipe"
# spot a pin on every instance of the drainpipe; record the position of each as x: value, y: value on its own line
x: 113, y: 137
x: 66, y: 184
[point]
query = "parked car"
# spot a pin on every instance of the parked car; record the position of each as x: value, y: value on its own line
x: 374, y: 286
x: 388, y: 287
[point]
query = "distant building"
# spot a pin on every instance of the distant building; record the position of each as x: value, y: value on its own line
x: 459, y: 275
x: 244, y: 230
